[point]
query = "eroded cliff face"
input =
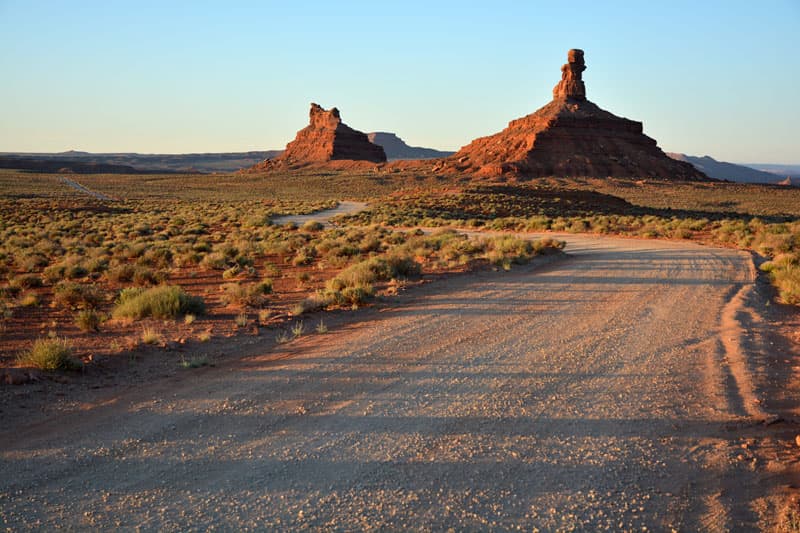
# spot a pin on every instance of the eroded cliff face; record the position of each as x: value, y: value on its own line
x: 571, y: 136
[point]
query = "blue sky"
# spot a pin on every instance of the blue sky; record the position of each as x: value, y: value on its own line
x: 718, y: 78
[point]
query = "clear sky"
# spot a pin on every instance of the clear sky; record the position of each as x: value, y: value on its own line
x: 706, y: 77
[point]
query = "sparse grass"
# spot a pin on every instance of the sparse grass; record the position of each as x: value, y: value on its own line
x: 283, y: 337
x: 204, y: 336
x: 264, y: 315
x: 189, y: 319
x: 50, y: 354
x: 88, y: 320
x: 151, y: 336
x: 196, y: 362
x: 164, y: 302
x: 321, y: 327
x: 298, y: 329
x: 241, y: 320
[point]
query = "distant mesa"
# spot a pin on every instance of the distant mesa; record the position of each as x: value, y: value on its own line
x: 396, y: 148
x: 326, y: 138
x: 728, y: 171
x: 570, y: 136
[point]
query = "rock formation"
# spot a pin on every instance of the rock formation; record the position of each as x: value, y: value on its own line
x: 327, y: 138
x: 570, y: 136
x: 396, y: 148
x: 571, y: 85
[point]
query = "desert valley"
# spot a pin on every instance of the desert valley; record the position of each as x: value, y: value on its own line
x: 557, y: 327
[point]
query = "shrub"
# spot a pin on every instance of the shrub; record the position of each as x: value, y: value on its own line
x: 121, y: 273
x: 26, y: 281
x: 232, y: 272
x: 30, y: 300
x: 313, y: 225
x: 264, y: 286
x: 251, y: 294
x: 88, y: 320
x: 54, y: 273
x: 75, y: 272
x: 310, y: 304
x: 166, y: 301
x: 50, y: 354
x: 215, y: 261
x: 72, y: 294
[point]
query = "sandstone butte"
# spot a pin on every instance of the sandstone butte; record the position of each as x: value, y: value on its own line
x: 570, y: 136
x: 325, y: 139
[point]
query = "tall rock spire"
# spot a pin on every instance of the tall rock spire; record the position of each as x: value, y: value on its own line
x: 571, y: 136
x: 571, y: 85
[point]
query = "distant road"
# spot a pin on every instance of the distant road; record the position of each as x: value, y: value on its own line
x: 324, y: 216
x: 601, y: 391
x: 78, y: 187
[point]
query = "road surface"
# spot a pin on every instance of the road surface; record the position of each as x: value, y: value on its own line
x: 600, y: 391
x: 80, y: 188
x: 324, y: 216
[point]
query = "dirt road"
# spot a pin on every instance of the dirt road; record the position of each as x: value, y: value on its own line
x: 80, y: 188
x: 602, y: 391
x: 324, y: 216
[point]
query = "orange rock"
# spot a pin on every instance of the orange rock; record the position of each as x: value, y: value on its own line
x: 571, y: 136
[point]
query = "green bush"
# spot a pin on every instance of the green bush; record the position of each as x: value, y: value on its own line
x: 166, y: 301
x: 50, y: 354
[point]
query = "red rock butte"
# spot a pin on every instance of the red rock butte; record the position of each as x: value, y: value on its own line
x: 327, y: 138
x: 571, y: 136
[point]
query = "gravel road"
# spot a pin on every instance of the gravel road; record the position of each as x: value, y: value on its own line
x: 80, y: 188
x: 600, y: 391
x: 324, y: 216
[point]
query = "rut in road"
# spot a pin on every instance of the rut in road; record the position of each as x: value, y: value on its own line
x: 593, y: 392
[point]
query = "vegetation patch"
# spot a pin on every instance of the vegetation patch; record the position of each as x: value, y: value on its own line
x: 163, y: 302
x: 50, y: 354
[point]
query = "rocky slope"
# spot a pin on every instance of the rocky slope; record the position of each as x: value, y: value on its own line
x: 571, y: 136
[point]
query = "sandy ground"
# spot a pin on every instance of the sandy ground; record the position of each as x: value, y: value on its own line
x: 619, y: 388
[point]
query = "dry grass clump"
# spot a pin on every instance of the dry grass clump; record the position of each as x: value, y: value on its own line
x: 163, y: 302
x: 50, y: 354
x: 784, y: 270
x: 151, y: 336
x: 246, y: 294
